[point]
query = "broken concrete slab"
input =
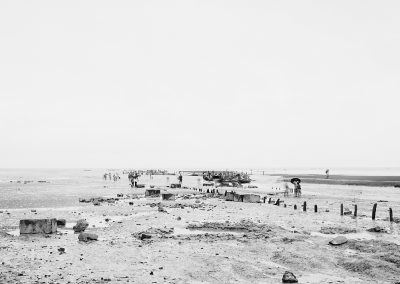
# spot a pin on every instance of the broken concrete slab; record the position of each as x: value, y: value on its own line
x: 168, y: 196
x: 85, y: 237
x: 38, y: 226
x: 251, y: 198
x: 152, y: 192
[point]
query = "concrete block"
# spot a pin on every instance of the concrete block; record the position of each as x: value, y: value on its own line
x: 229, y: 196
x: 38, y: 226
x: 168, y: 196
x: 251, y: 198
x: 152, y: 192
x: 237, y: 197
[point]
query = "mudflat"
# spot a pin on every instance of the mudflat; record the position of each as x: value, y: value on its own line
x: 202, y: 238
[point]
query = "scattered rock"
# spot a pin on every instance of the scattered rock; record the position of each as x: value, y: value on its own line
x: 80, y: 226
x: 61, y: 222
x: 38, y: 226
x: 340, y: 240
x: 288, y: 277
x: 337, y: 230
x: 168, y: 196
x: 144, y: 236
x: 376, y: 229
x: 85, y: 237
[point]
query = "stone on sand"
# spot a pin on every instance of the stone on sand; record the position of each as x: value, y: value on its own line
x: 85, y: 237
x: 339, y: 240
x: 288, y: 277
x: 61, y: 222
x: 80, y: 226
x: 38, y: 226
x: 377, y: 229
x: 168, y: 196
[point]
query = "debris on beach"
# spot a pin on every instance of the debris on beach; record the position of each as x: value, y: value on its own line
x: 80, y: 226
x: 340, y: 240
x: 153, y: 233
x: 168, y: 196
x: 85, y: 237
x: 152, y: 193
x: 337, y: 230
x: 377, y: 229
x: 61, y: 222
x: 38, y: 226
x: 289, y: 277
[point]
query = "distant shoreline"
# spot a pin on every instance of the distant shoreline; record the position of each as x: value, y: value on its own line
x: 382, y: 181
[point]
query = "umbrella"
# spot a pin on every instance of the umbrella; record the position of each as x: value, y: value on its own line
x: 293, y: 180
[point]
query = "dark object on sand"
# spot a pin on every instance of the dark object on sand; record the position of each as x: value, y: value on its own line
x: 175, y: 185
x: 144, y: 236
x: 293, y: 180
x: 340, y: 240
x: 152, y: 192
x: 288, y: 277
x: 61, y: 222
x: 38, y: 226
x: 85, y: 237
x: 376, y: 229
x: 168, y: 196
x: 374, y: 211
x: 80, y: 226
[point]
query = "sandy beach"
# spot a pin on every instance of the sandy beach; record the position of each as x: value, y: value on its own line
x: 202, y: 238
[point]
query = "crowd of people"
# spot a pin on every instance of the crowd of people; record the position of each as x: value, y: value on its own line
x: 114, y: 176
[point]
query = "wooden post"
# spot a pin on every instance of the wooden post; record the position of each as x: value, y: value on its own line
x: 269, y: 200
x: 341, y: 209
x: 315, y: 208
x: 305, y: 206
x: 355, y: 210
x: 264, y: 199
x: 295, y: 207
x: 284, y: 205
x: 390, y: 215
x: 374, y: 211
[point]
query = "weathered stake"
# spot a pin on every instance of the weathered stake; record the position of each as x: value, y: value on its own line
x: 305, y: 206
x: 341, y: 209
x: 295, y: 207
x: 355, y: 210
x: 374, y: 211
x: 315, y: 208
x: 390, y: 215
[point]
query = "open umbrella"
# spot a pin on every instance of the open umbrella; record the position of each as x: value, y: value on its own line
x: 293, y: 180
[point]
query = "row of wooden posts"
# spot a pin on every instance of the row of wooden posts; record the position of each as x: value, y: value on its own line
x: 341, y: 209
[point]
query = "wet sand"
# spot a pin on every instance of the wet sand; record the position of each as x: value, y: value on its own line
x: 201, y: 238
x: 390, y: 181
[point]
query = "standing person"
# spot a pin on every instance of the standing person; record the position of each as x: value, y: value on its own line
x: 180, y: 178
x: 327, y: 173
x: 297, y: 189
x: 286, y: 193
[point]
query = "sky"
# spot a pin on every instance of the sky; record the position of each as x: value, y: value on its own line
x: 199, y: 84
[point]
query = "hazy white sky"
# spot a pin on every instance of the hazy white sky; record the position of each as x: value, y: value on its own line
x: 199, y: 83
